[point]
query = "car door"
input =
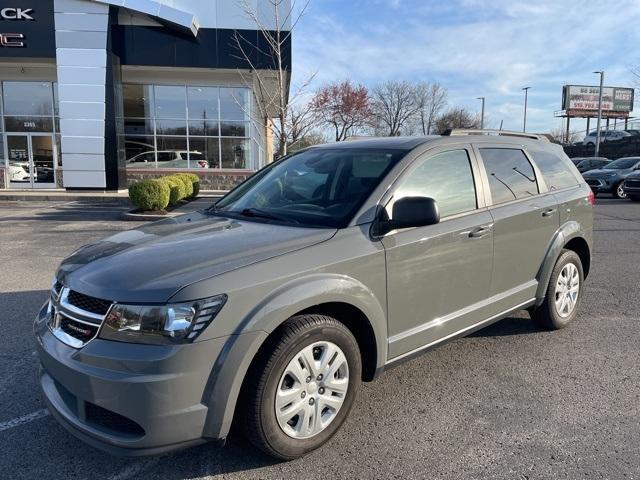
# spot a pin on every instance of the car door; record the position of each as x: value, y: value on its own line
x: 525, y: 216
x: 438, y: 275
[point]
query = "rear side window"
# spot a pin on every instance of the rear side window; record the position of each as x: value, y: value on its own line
x: 511, y: 176
x: 554, y: 170
x: 447, y: 178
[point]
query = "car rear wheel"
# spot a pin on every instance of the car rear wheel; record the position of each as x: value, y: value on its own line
x: 564, y: 293
x: 619, y: 192
x: 302, y: 386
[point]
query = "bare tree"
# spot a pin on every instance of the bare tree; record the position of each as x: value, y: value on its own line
x: 431, y: 99
x: 559, y: 135
x: 308, y: 140
x: 344, y: 106
x: 394, y: 105
x: 300, y: 122
x: 457, y: 117
x: 272, y: 85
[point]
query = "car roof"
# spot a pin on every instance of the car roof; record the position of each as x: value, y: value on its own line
x: 400, y: 143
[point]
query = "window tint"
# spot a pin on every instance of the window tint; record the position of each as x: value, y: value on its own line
x: 511, y: 176
x: 445, y: 177
x: 554, y: 170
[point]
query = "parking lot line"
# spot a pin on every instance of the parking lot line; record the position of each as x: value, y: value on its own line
x: 24, y: 419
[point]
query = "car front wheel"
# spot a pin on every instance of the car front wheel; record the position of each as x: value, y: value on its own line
x: 301, y: 386
x: 564, y: 293
x: 619, y: 191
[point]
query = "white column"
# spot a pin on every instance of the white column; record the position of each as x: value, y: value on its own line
x: 81, y: 61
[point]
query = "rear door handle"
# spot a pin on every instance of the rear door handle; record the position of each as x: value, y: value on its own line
x: 548, y: 212
x: 480, y: 231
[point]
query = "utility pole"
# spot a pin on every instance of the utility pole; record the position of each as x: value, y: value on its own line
x: 601, y: 73
x: 482, y: 114
x: 526, y: 95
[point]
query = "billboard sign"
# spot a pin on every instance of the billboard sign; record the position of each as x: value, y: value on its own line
x: 582, y: 100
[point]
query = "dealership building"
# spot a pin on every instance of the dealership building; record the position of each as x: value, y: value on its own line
x: 97, y: 93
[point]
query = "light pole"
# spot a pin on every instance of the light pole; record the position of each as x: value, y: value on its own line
x: 482, y: 114
x: 599, y: 113
x: 526, y: 96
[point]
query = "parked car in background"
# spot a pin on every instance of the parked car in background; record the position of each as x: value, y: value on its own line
x: 609, y: 136
x: 633, y: 132
x: 592, y: 163
x: 323, y: 270
x: 168, y: 159
x: 632, y: 186
x: 19, y: 172
x: 610, y: 178
x: 577, y: 160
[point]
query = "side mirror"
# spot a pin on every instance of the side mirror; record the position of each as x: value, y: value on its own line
x: 411, y: 212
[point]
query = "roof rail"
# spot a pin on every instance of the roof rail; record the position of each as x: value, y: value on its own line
x: 504, y: 133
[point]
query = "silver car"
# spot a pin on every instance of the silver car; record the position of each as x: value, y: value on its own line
x: 323, y: 270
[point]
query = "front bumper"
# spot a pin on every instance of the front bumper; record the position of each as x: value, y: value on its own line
x: 632, y: 186
x: 129, y: 399
x: 601, y: 185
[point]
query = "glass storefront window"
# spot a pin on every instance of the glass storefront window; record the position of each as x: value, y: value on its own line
x: 234, y: 104
x: 140, y: 152
x: 137, y: 100
x: 235, y: 152
x: 202, y: 103
x: 170, y: 102
x: 28, y: 98
x: 183, y: 125
x: 207, y: 149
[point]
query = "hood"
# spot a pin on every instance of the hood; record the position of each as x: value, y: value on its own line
x: 601, y: 172
x: 151, y: 263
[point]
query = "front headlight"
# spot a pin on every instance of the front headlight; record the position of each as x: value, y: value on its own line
x: 160, y: 324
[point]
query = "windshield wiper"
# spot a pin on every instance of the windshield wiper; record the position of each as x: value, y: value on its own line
x: 256, y: 212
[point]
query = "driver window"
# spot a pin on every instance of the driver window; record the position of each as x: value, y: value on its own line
x: 446, y: 177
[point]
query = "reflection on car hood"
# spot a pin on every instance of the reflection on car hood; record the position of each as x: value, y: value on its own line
x: 151, y: 263
x: 602, y: 172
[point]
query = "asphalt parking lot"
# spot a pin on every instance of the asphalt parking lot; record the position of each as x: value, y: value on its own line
x: 510, y: 402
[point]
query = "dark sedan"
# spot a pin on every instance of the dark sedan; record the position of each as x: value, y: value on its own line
x: 592, y: 163
x: 632, y: 186
x: 610, y: 178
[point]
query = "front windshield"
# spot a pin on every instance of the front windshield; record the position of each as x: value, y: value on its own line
x: 319, y: 187
x: 622, y: 163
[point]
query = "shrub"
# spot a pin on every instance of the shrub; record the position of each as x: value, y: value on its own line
x: 187, y: 182
x: 150, y: 195
x: 195, y: 182
x: 177, y: 188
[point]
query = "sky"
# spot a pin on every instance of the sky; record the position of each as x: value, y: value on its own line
x: 474, y: 48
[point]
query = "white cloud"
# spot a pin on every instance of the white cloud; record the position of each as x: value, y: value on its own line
x: 474, y: 47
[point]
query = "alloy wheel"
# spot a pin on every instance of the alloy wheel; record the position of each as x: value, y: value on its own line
x: 567, y: 290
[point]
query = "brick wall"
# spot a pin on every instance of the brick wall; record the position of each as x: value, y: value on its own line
x: 2, y: 178
x: 209, y: 179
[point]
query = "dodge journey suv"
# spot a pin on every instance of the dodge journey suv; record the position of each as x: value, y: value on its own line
x: 324, y: 269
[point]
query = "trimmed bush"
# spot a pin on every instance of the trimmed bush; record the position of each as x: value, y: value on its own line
x: 177, y: 188
x: 195, y: 182
x: 187, y: 182
x: 150, y: 194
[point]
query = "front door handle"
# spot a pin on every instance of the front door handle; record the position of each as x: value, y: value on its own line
x: 548, y: 212
x: 480, y: 231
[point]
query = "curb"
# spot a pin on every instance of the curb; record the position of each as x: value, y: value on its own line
x: 141, y: 217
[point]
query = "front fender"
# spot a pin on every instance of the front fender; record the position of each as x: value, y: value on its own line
x: 563, y: 235
x: 231, y: 366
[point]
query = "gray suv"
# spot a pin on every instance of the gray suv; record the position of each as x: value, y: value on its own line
x: 323, y: 270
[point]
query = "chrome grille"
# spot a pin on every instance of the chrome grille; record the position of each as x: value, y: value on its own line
x: 75, y: 318
x: 633, y: 183
x: 90, y: 304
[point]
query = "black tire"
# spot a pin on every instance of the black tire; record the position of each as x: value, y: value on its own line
x: 260, y: 425
x: 547, y: 314
x: 634, y: 198
x: 616, y: 191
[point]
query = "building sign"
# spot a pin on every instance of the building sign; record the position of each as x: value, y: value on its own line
x: 582, y: 101
x: 27, y: 30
